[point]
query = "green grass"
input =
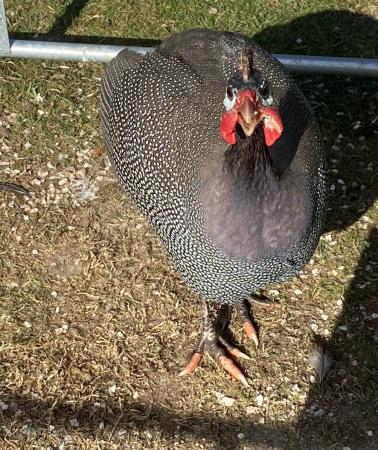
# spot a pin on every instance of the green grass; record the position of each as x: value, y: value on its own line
x: 89, y: 299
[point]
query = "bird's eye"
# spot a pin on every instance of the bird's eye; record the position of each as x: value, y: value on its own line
x: 264, y: 88
x: 230, y: 98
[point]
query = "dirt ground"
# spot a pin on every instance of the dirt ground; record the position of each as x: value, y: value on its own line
x: 96, y: 324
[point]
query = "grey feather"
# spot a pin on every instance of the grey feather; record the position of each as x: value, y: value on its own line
x: 321, y: 360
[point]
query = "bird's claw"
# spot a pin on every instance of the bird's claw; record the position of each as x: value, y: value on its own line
x: 214, y: 348
x: 248, y: 327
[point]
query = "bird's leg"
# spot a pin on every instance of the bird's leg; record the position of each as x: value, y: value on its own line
x: 215, y: 321
x: 248, y: 327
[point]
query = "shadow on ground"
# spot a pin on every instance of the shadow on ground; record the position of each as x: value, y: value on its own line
x: 349, y: 398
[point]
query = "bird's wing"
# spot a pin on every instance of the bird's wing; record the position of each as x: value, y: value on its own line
x: 125, y: 61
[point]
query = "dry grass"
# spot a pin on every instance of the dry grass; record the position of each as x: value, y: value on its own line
x: 96, y: 324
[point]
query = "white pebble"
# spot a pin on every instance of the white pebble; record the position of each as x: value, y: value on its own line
x: 260, y: 400
x: 74, y: 422
x: 224, y: 400
x: 112, y: 389
x: 3, y: 406
x: 251, y: 410
x: 241, y: 435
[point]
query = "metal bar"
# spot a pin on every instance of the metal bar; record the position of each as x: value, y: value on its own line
x: 4, y: 39
x: 330, y: 65
x: 104, y: 53
x: 65, y: 51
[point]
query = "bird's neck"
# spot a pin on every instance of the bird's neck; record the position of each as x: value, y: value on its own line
x: 248, y: 160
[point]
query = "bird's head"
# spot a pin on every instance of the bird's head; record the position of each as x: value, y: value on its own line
x: 248, y: 103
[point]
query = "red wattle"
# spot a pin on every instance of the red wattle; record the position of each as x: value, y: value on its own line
x: 272, y: 127
x: 227, y: 126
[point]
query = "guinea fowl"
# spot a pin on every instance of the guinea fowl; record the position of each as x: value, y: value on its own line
x: 216, y: 145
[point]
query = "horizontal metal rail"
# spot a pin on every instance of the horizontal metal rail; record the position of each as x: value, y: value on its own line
x: 104, y: 53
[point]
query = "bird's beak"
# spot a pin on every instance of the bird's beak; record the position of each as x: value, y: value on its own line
x: 249, y: 116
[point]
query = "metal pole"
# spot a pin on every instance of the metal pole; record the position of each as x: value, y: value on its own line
x: 64, y: 51
x: 330, y: 65
x: 104, y: 53
x: 4, y: 40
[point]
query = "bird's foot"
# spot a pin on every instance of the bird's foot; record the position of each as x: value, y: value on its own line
x: 215, y: 323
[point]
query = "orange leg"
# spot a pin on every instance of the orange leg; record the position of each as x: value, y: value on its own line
x: 215, y: 344
x: 248, y: 327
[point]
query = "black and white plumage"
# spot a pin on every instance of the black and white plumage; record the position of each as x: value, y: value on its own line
x: 234, y: 218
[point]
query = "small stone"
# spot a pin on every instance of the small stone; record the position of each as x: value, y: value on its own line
x: 27, y: 324
x: 343, y: 328
x: 312, y: 379
x: 369, y: 433
x: 74, y: 423
x: 347, y: 448
x: 339, y: 302
x: 299, y: 41
x: 224, y: 400
x: 42, y: 173
x: 53, y: 293
x: 259, y: 400
x: 274, y: 292
x: 3, y: 406
x: 112, y: 389
x: 324, y: 317
x: 241, y: 435
x: 319, y: 412
x: 251, y: 410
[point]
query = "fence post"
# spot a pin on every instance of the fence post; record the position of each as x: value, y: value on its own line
x: 4, y: 38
